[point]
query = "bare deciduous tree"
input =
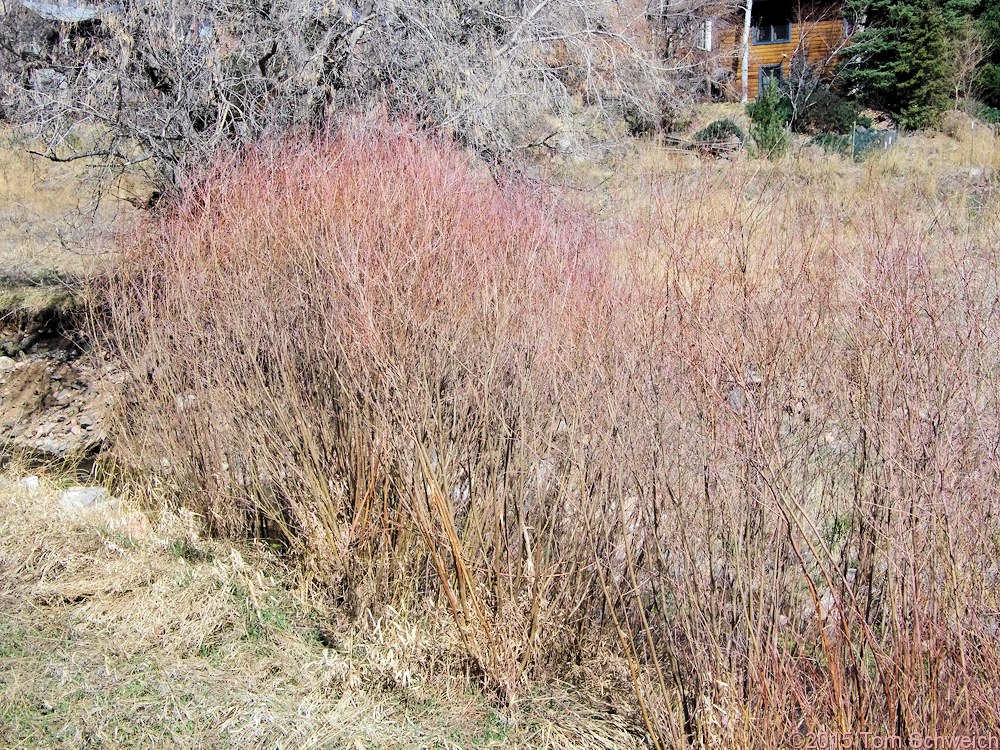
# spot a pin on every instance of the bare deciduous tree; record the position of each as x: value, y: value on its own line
x: 969, y: 51
x: 745, y: 53
x: 170, y: 82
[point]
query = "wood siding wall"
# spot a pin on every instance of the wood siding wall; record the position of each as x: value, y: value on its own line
x: 821, y: 40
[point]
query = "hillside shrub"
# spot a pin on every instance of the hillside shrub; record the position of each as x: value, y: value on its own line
x: 826, y: 112
x: 731, y: 468
x: 811, y: 103
x: 719, y: 137
x: 859, y: 145
x: 718, y: 131
x: 981, y: 111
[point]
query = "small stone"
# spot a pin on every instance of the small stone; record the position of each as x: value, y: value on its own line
x: 78, y: 498
x: 31, y: 483
x: 7, y: 364
x: 54, y: 447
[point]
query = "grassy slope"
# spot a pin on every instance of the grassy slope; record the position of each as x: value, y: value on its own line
x: 118, y: 632
x: 52, y: 230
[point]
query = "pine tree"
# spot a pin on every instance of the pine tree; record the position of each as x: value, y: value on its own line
x: 769, y: 122
x: 901, y: 61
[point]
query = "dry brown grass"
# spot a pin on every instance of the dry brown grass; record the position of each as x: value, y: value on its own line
x: 52, y: 228
x: 731, y: 451
x: 961, y: 145
x: 122, y: 629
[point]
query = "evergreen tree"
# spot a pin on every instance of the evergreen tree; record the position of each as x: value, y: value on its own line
x: 901, y: 61
x: 769, y: 116
x: 988, y: 19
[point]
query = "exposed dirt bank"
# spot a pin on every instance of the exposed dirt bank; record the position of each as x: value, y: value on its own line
x: 54, y: 392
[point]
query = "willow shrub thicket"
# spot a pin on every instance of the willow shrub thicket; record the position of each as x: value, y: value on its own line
x: 737, y: 455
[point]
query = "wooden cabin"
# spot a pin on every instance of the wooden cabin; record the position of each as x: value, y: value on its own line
x: 781, y: 30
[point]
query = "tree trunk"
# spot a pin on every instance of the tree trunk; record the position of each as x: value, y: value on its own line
x: 745, y: 54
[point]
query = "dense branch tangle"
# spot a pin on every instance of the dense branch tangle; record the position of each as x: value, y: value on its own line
x: 173, y: 81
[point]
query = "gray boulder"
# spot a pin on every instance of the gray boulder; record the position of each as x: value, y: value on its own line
x: 79, y: 498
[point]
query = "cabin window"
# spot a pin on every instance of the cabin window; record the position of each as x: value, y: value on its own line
x: 773, y: 33
x: 767, y: 74
x: 772, y: 23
